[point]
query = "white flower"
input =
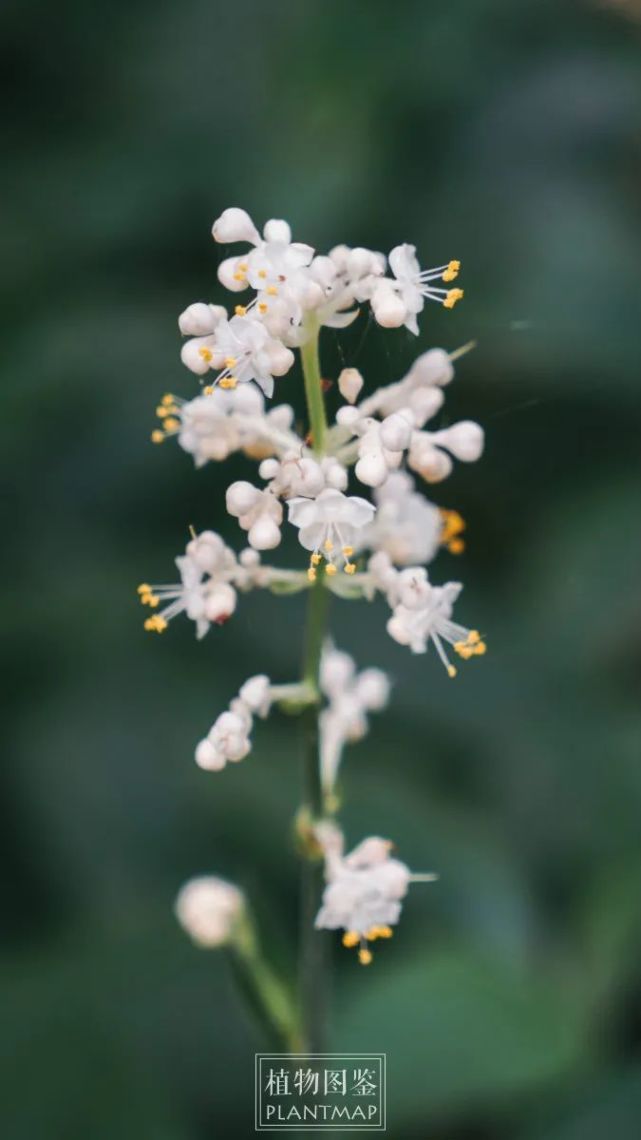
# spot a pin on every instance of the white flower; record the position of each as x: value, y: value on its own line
x: 200, y: 322
x: 406, y: 526
x: 412, y: 286
x: 258, y: 512
x: 423, y: 613
x: 204, y: 592
x: 351, y: 696
x: 328, y: 526
x: 213, y: 426
x: 364, y: 890
x: 208, y: 908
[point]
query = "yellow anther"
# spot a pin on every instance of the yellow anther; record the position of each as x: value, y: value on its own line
x: 161, y: 411
x: 451, y: 671
x: 206, y: 353
x: 155, y: 624
x: 157, y: 436
x: 330, y: 569
x: 364, y: 956
x: 452, y: 297
x: 262, y: 273
x: 316, y: 559
x: 240, y: 311
x: 347, y: 550
x: 144, y: 588
x: 473, y: 637
x: 378, y: 932
x: 311, y: 574
x: 351, y: 938
x: 230, y: 362
x: 480, y: 649
x: 350, y: 567
x: 239, y: 277
x: 328, y: 544
x: 171, y: 423
x: 209, y: 390
x: 456, y: 546
x: 452, y: 271
x: 228, y: 382
x: 243, y: 266
x: 262, y: 308
x: 167, y: 399
x: 271, y: 291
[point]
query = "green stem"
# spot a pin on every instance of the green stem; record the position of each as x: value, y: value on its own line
x: 314, y: 948
x: 313, y: 386
x: 267, y: 997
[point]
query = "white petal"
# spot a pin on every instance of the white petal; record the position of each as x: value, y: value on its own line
x: 234, y: 225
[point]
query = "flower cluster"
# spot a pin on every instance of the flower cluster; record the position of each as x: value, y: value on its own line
x: 364, y: 891
x: 348, y: 489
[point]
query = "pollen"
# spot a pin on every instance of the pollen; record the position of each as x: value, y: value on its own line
x: 452, y: 271
x: 171, y: 423
x: 452, y: 670
x: 315, y: 559
x: 328, y: 545
x: 365, y: 956
x: 347, y: 550
x: 238, y: 276
x: 157, y: 436
x: 167, y: 399
x: 379, y: 932
x: 351, y: 938
x: 453, y: 295
x: 228, y: 383
x: 271, y: 291
x: 330, y: 569
x: 243, y: 266
x: 262, y: 273
x: 262, y: 308
x: 206, y: 354
x: 311, y: 574
x: 473, y: 646
x: 209, y: 390
x: 240, y: 311
x: 230, y: 362
x: 453, y: 525
x: 155, y: 624
x: 350, y: 567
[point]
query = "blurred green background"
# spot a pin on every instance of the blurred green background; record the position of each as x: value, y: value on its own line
x: 505, y: 134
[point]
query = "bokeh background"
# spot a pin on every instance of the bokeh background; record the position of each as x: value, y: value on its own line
x: 503, y: 133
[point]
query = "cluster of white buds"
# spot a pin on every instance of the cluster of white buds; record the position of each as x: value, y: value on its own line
x: 364, y: 891
x: 209, y: 908
x: 358, y: 547
x: 350, y: 696
x: 229, y: 735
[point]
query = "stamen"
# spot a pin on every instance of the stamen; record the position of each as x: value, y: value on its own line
x: 351, y: 938
x: 155, y: 624
x: 228, y: 382
x: 452, y: 271
x: 452, y: 297
x: 230, y: 362
x: 365, y: 956
x: 328, y: 545
x: 311, y: 574
x: 347, y: 550
x: 330, y: 569
x: 350, y: 567
x: 240, y: 311
x: 271, y: 291
x: 157, y: 436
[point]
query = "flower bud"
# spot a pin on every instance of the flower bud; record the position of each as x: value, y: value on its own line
x: 220, y: 602
x: 208, y: 757
x: 433, y: 367
x: 208, y: 909
x: 200, y: 319
x: 264, y: 534
x: 350, y: 383
x: 389, y: 309
x: 234, y: 225
x: 464, y: 440
x: 373, y: 689
x: 280, y: 358
x: 371, y: 469
x: 241, y: 497
x: 396, y: 430
x: 277, y: 230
